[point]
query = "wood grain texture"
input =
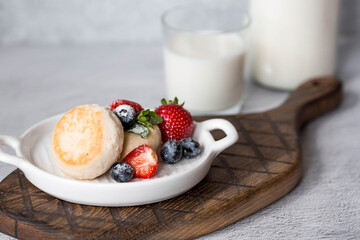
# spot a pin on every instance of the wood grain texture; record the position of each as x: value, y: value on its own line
x: 263, y: 166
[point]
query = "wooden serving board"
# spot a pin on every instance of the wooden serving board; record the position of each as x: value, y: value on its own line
x: 264, y: 165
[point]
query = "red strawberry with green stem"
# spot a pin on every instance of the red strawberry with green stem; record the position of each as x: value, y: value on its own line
x: 177, y: 123
x: 143, y: 160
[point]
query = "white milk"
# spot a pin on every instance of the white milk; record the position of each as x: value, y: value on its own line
x: 293, y: 40
x: 205, y: 70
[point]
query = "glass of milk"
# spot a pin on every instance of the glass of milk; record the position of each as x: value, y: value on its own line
x: 205, y: 48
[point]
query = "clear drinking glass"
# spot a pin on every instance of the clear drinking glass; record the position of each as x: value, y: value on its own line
x: 205, y: 49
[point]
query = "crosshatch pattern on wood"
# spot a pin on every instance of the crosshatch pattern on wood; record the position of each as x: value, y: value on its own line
x: 263, y: 165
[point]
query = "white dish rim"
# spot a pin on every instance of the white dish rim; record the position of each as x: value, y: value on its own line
x: 30, y: 170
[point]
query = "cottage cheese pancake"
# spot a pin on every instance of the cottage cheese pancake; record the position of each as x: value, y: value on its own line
x: 87, y: 141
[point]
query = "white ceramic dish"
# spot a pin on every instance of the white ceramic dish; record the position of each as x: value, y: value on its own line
x: 34, y: 158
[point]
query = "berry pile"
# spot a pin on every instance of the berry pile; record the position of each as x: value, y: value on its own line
x: 176, y: 126
x: 133, y: 117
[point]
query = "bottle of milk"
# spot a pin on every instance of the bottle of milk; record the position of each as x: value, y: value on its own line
x: 293, y: 41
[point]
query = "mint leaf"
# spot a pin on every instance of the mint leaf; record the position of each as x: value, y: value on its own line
x: 146, y: 123
x: 142, y: 119
x: 154, y: 118
x: 145, y: 112
x: 139, y: 130
x: 145, y: 119
x: 148, y: 118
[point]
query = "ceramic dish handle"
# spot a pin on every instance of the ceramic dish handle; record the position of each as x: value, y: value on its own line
x: 225, y: 126
x: 7, y: 158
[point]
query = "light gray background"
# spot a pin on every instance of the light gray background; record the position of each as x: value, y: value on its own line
x: 107, y: 21
x: 55, y: 55
x: 86, y: 21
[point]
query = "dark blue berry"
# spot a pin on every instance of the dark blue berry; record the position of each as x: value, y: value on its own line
x: 121, y: 172
x: 171, y: 152
x: 126, y: 114
x: 191, y: 148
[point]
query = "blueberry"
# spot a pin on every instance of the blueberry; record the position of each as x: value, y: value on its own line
x: 121, y: 172
x: 171, y: 152
x: 191, y: 148
x: 126, y: 114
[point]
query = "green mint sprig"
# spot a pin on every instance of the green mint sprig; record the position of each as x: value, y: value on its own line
x: 145, y: 118
x: 148, y: 118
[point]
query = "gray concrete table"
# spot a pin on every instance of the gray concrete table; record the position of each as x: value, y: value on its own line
x: 39, y: 82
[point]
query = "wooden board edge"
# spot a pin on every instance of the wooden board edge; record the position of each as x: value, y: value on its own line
x: 233, y: 211
x: 23, y: 228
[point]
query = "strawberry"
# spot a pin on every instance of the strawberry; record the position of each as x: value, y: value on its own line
x: 114, y: 104
x: 177, y: 122
x: 143, y: 160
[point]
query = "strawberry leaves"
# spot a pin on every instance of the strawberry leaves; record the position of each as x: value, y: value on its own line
x: 175, y: 101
